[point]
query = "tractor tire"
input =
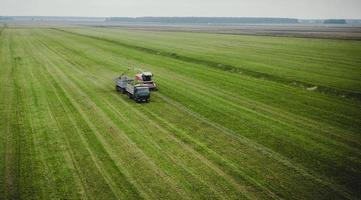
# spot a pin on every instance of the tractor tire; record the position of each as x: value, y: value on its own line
x: 117, y: 88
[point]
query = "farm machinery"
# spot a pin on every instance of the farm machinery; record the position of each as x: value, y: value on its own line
x: 137, y: 88
x: 146, y: 78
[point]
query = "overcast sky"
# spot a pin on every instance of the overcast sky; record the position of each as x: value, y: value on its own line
x: 220, y: 8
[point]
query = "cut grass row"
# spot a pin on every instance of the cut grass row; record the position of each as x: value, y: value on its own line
x: 235, y: 140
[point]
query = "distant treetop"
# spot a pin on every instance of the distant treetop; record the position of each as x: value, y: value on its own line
x: 335, y: 21
x: 5, y: 18
x: 205, y: 20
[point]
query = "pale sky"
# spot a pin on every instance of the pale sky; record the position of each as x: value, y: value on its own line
x: 305, y: 9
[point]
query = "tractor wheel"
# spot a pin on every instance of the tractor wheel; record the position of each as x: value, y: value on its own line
x: 117, y: 88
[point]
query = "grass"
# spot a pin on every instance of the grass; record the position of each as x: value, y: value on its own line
x: 238, y: 129
x: 321, y: 62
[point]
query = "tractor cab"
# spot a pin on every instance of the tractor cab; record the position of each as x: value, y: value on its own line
x: 146, y: 79
x: 141, y: 93
x: 147, y: 76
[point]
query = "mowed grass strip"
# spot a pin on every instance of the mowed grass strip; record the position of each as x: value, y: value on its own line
x: 7, y: 92
x: 51, y: 146
x: 196, y: 139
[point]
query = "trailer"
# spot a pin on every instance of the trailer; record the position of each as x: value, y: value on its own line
x: 138, y: 92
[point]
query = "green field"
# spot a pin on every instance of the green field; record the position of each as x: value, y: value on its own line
x: 235, y: 117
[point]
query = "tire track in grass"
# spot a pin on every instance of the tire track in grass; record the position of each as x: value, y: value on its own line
x: 238, y: 174
x: 51, y: 163
x: 4, y: 105
x: 3, y: 113
x: 45, y: 121
x: 7, y: 97
x: 26, y: 180
x: 45, y: 124
x: 70, y: 155
x: 17, y: 124
x: 61, y: 123
x: 185, y: 139
x: 30, y: 160
x: 183, y: 165
x: 104, y: 174
x: 226, y: 67
x: 22, y: 129
x: 153, y: 142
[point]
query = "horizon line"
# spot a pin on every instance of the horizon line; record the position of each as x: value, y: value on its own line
x: 60, y: 16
